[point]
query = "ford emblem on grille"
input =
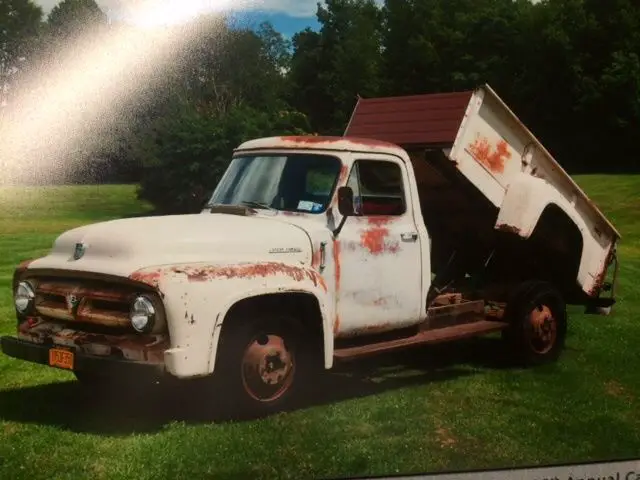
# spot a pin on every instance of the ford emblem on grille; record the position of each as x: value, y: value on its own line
x: 72, y: 303
x: 78, y: 252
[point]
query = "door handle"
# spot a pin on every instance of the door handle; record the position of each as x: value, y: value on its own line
x: 409, y: 236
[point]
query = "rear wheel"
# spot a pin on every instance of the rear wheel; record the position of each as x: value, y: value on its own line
x: 538, y: 324
x: 263, y: 363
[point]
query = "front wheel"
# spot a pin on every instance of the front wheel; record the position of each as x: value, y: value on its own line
x: 263, y: 363
x: 538, y: 324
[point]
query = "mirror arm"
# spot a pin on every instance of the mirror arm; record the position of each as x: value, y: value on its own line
x: 337, y: 231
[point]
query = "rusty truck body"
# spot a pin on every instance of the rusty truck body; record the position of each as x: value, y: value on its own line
x: 434, y: 218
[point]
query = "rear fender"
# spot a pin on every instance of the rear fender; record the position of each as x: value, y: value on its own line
x: 526, y: 199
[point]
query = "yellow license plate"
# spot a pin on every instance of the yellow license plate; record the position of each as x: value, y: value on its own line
x: 61, y: 358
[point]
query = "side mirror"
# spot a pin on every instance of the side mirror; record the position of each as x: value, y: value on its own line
x: 345, y: 202
x: 345, y: 207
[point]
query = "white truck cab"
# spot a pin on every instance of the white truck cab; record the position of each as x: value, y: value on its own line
x: 314, y: 250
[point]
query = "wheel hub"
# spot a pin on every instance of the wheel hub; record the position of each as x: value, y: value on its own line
x: 544, y: 329
x: 267, y: 368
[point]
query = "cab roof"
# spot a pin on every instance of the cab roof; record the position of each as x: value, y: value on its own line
x: 312, y: 142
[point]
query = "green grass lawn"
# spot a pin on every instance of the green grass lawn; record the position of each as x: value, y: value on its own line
x: 454, y: 407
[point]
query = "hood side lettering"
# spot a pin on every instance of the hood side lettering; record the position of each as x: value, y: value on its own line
x: 285, y: 250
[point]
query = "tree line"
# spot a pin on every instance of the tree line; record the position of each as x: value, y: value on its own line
x: 570, y: 69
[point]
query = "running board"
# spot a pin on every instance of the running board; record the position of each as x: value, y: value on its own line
x: 425, y: 337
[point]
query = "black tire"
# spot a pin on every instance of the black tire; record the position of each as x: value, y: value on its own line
x: 263, y: 364
x: 537, y: 318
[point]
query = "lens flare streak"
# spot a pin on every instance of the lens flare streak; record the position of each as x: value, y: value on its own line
x: 60, y: 113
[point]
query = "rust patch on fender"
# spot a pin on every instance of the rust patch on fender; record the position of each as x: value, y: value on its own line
x: 494, y: 160
x: 263, y: 270
x: 316, y: 260
x: 594, y: 291
x: 25, y: 264
x: 151, y: 278
x: 322, y: 283
x: 336, y: 325
x: 509, y: 229
x: 207, y: 273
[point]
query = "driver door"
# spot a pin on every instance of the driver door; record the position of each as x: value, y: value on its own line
x: 380, y: 253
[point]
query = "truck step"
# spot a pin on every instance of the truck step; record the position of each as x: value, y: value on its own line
x: 445, y: 316
x: 425, y: 337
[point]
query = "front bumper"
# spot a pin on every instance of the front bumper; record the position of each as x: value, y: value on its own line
x: 37, y: 353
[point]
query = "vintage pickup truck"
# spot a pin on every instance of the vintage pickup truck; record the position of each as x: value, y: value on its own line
x: 434, y: 218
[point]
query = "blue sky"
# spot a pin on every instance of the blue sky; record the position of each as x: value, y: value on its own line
x: 282, y: 22
x: 287, y: 16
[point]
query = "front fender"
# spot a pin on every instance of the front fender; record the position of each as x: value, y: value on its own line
x: 197, y: 298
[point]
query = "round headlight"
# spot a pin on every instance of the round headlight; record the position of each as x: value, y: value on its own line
x: 23, y: 298
x: 142, y: 315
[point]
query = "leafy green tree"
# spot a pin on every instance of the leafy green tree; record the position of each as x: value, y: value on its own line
x: 308, y: 76
x: 192, y: 149
x: 275, y: 48
x: 578, y: 86
x: 221, y: 66
x: 227, y: 86
x: 331, y: 68
x: 450, y: 45
x: 20, y: 22
x: 72, y: 18
x: 607, y: 103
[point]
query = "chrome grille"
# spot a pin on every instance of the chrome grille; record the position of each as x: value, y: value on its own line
x: 73, y: 301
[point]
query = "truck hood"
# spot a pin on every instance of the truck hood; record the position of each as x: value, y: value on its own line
x: 120, y: 247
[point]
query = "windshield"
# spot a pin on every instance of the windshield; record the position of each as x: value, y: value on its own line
x: 293, y: 182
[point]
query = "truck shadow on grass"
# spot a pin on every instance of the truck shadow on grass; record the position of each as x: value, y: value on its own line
x: 68, y: 406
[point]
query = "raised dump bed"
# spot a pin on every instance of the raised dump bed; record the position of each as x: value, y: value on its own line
x: 490, y: 192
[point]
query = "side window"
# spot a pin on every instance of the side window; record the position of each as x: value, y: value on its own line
x: 378, y: 188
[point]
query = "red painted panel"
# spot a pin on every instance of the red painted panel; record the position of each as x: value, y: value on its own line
x: 410, y: 120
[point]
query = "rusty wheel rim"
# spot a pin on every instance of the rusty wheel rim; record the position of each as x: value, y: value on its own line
x: 545, y: 329
x: 267, y: 368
